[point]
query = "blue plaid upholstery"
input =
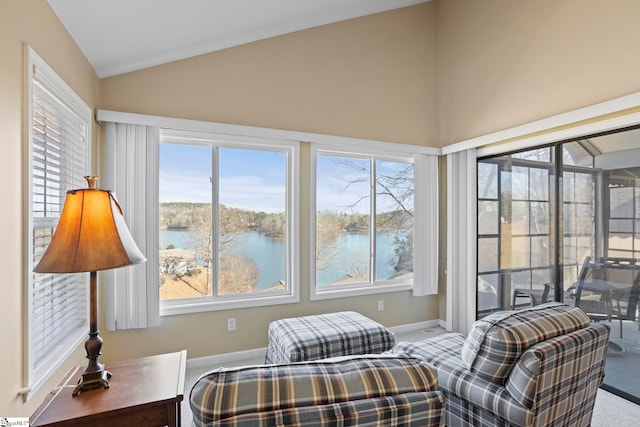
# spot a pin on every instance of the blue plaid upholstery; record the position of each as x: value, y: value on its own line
x: 497, y: 341
x: 353, y: 391
x: 326, y: 335
x: 455, y: 379
x: 552, y: 383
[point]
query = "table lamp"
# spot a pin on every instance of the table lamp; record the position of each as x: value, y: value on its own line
x: 91, y: 235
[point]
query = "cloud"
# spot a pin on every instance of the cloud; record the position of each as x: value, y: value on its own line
x: 182, y: 188
x: 243, y: 192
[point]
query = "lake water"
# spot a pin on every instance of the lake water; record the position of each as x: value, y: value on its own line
x: 268, y: 254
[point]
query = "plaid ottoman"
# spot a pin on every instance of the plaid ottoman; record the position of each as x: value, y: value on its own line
x: 326, y: 335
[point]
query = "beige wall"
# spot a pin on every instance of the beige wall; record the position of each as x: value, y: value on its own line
x: 503, y: 63
x: 372, y: 77
x: 34, y: 24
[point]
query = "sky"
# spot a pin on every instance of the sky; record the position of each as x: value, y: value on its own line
x: 255, y: 180
x: 344, y: 184
x: 339, y: 187
x: 249, y: 179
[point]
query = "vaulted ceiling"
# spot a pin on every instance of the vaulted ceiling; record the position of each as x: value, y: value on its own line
x: 119, y: 36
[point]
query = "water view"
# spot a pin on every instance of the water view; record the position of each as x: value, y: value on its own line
x: 268, y: 253
x: 247, y: 195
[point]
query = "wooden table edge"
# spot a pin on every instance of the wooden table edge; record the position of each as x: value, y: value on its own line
x: 76, y: 371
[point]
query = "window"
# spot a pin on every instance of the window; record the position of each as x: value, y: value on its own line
x: 543, y: 211
x: 518, y: 220
x: 59, y: 152
x: 579, y: 209
x: 364, y: 223
x: 514, y: 236
x: 622, y: 196
x: 227, y: 222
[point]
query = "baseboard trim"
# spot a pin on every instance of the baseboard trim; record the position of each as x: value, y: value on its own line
x: 217, y: 359
x: 415, y: 326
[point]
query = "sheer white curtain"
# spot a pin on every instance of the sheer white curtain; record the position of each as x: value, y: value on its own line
x: 131, y: 172
x: 462, y: 238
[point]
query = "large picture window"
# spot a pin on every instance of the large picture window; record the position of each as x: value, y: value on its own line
x: 228, y: 233
x: 364, y: 221
x: 59, y: 159
x: 226, y: 225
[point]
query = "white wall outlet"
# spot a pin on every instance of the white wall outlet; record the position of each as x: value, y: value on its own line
x: 380, y: 304
x: 231, y: 324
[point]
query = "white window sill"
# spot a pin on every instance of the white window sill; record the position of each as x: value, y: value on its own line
x: 199, y: 305
x: 359, y: 291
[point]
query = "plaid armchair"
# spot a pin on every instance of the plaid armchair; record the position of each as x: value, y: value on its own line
x: 540, y: 366
x: 346, y: 391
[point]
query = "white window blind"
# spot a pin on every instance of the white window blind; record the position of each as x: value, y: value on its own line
x: 132, y: 298
x: 59, y: 152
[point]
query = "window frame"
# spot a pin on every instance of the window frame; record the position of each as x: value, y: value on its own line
x: 226, y: 302
x: 561, y: 268
x: 503, y: 164
x: 427, y: 175
x: 34, y: 377
x: 405, y: 155
x: 634, y: 219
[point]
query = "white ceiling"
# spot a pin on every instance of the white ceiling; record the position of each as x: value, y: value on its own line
x: 118, y: 36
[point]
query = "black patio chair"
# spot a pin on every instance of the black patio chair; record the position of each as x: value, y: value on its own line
x: 536, y: 295
x: 609, y: 288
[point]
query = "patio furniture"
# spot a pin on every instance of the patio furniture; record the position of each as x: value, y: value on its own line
x: 539, y: 366
x: 609, y: 288
x: 536, y: 296
x: 322, y: 336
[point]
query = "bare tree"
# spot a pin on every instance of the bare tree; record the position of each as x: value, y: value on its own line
x: 231, y: 223
x: 238, y: 274
x: 359, y: 266
x: 272, y: 225
x: 328, y: 230
x: 197, y: 218
x: 394, y: 189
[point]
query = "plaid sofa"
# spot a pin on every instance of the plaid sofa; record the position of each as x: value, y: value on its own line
x: 370, y: 390
x: 540, y: 366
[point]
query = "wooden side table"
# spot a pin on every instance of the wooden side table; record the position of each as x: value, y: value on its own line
x: 142, y: 392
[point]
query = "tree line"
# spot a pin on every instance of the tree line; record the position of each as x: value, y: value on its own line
x: 198, y: 216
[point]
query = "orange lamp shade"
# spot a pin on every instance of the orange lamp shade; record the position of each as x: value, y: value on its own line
x: 91, y: 236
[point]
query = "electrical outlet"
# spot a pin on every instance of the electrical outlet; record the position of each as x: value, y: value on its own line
x: 380, y: 305
x: 231, y: 324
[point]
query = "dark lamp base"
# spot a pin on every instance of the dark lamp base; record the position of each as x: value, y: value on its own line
x: 92, y: 381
